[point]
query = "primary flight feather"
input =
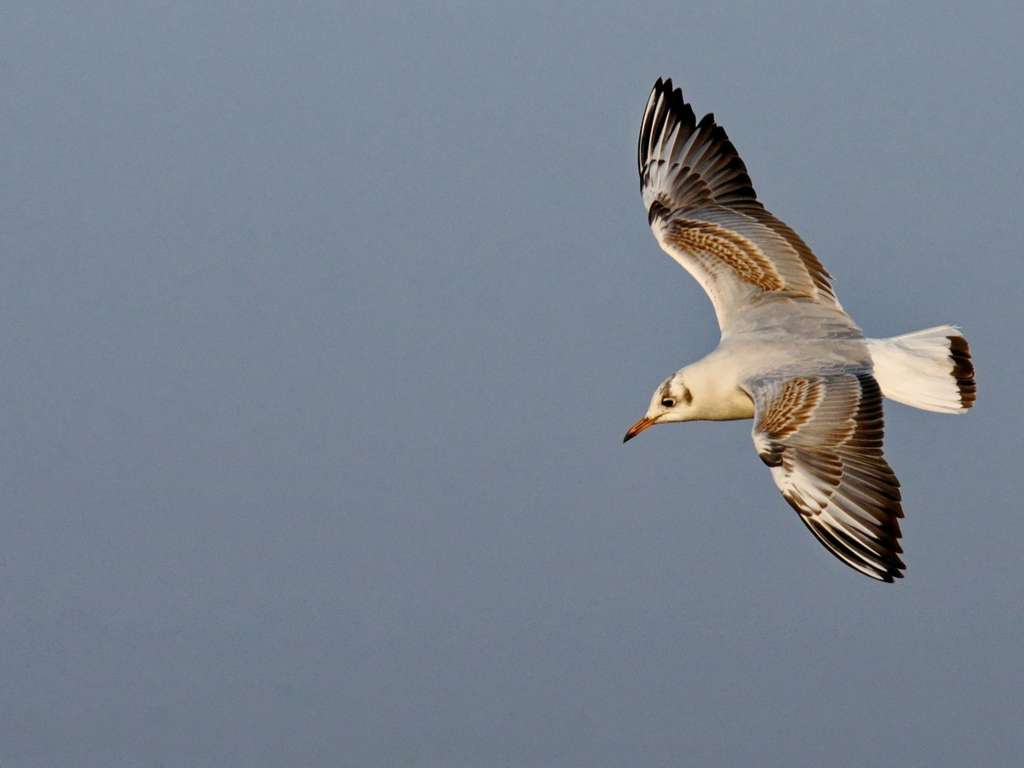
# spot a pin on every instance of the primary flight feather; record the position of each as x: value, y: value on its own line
x: 789, y: 357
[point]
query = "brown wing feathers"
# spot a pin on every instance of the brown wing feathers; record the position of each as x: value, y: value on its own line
x: 690, y: 175
x: 822, y: 437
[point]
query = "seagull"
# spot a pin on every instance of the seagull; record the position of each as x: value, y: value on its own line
x: 790, y: 357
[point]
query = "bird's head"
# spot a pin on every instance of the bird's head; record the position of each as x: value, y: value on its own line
x: 671, y: 401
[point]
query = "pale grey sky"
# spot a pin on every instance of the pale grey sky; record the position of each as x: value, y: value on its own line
x: 322, y: 326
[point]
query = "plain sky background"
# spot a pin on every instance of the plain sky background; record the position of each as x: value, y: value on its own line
x: 321, y: 326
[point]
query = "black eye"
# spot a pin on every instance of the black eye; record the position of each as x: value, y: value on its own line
x: 668, y: 402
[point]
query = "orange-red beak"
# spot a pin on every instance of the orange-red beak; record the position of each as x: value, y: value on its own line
x: 637, y: 428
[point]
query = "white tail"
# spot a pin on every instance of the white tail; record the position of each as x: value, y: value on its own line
x: 929, y: 369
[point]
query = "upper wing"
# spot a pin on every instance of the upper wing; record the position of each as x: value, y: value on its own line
x: 705, y: 213
x: 822, y: 437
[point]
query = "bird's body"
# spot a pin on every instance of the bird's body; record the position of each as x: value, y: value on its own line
x: 790, y: 357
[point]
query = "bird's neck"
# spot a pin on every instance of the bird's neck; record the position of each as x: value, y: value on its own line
x: 717, y: 394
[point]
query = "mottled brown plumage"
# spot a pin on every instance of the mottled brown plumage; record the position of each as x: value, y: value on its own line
x: 822, y: 437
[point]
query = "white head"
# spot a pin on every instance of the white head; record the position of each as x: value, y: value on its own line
x: 672, y: 401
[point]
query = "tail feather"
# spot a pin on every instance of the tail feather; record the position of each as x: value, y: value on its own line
x: 963, y: 370
x: 929, y: 369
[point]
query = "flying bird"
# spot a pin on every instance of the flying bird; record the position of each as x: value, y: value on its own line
x: 790, y: 357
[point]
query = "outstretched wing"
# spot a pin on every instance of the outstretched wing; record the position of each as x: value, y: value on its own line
x: 821, y: 435
x: 705, y: 214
